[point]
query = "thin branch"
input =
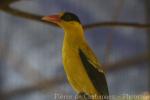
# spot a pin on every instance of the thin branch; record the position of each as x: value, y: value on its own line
x: 129, y: 62
x: 43, y: 85
x: 117, y: 24
x: 26, y: 15
x: 35, y: 17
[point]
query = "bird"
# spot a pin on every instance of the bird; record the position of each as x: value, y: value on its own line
x: 83, y: 69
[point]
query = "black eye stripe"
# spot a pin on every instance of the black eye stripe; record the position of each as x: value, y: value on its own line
x: 70, y: 17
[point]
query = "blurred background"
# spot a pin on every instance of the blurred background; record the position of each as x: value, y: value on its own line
x: 30, y: 50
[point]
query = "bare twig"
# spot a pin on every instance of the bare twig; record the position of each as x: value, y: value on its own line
x: 43, y: 85
x: 143, y: 58
x: 117, y: 24
x: 35, y: 17
x: 23, y: 14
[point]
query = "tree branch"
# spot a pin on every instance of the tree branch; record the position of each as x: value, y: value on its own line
x: 43, y: 85
x: 35, y: 17
x: 23, y: 14
x: 129, y: 62
x: 117, y: 24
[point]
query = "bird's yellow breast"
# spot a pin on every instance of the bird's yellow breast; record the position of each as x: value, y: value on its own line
x: 75, y: 70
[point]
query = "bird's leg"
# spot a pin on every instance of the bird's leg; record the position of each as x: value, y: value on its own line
x: 83, y: 96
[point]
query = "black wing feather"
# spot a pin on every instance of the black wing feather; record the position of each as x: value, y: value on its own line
x: 98, y: 78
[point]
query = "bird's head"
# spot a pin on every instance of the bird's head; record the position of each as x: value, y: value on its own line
x: 64, y: 20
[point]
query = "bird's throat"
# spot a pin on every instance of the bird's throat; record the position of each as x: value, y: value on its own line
x: 74, y: 36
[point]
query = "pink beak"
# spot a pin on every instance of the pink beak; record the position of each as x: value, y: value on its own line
x: 53, y: 18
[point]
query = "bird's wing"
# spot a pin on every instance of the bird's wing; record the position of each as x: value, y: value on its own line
x: 91, y: 57
x: 94, y: 71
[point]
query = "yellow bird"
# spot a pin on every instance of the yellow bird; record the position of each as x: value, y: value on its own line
x: 83, y: 70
